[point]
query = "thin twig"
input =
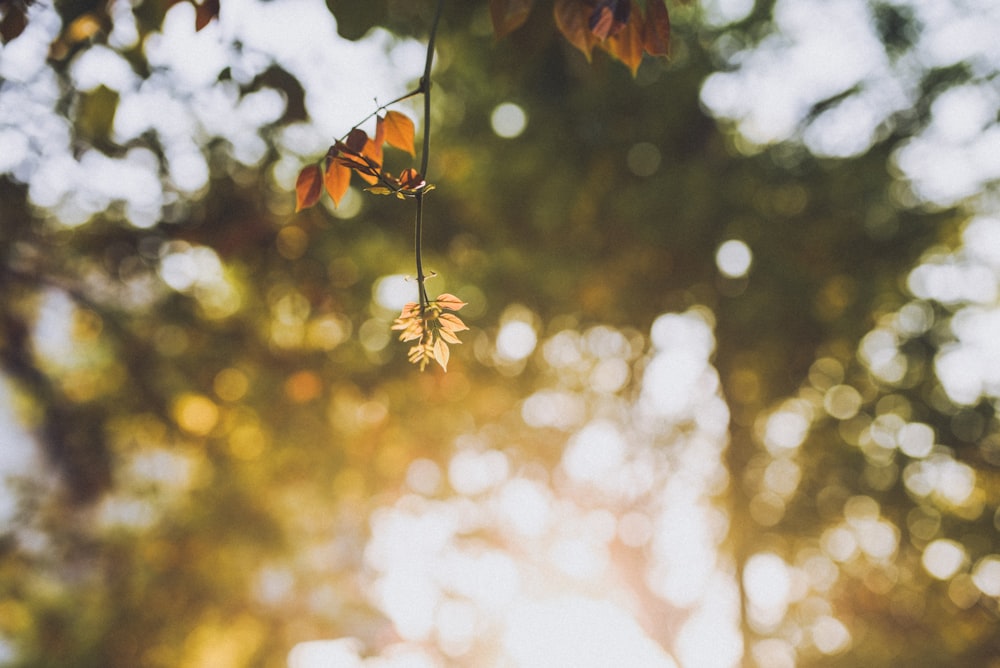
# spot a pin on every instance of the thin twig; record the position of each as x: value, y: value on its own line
x: 425, y: 86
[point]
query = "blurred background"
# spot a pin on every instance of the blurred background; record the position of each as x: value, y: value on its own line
x: 728, y: 397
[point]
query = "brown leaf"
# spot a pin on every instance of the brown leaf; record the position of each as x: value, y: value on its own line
x: 573, y: 20
x: 399, y: 131
x: 356, y: 141
x: 410, y: 179
x: 13, y: 23
x: 337, y: 179
x: 609, y: 17
x: 656, y: 38
x: 508, y: 15
x: 371, y: 167
x: 205, y: 12
x: 627, y: 45
x: 308, y: 187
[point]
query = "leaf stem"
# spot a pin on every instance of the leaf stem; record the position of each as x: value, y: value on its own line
x: 425, y: 87
x: 382, y: 107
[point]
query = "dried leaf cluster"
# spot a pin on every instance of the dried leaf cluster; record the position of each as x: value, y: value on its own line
x: 625, y: 29
x: 432, y: 327
x: 362, y: 155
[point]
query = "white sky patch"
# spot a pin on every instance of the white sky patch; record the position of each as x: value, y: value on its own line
x: 395, y: 291
x: 677, y: 375
x: 516, y: 340
x: 595, y: 452
x: 733, y: 258
x: 101, y: 66
x: 970, y: 368
x: 823, y: 48
x: 343, y: 653
x: 724, y: 12
x: 768, y: 584
x: 577, y: 632
x: 943, y: 557
x: 508, y: 120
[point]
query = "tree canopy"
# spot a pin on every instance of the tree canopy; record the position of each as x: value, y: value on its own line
x: 707, y: 359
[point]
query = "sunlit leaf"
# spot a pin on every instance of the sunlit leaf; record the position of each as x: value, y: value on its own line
x: 366, y: 168
x: 451, y: 323
x: 656, y: 36
x: 627, y: 44
x: 308, y: 187
x: 337, y: 179
x: 411, y: 179
x: 508, y: 15
x: 399, y: 131
x: 441, y: 353
x: 449, y: 301
x: 572, y: 19
x: 448, y: 336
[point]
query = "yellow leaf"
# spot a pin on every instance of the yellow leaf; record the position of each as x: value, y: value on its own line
x: 449, y: 301
x: 451, y: 323
x: 399, y: 131
x: 337, y: 179
x: 441, y: 353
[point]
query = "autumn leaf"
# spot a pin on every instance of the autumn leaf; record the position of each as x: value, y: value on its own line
x: 356, y: 141
x: 508, y: 15
x: 399, y: 131
x: 656, y: 37
x: 308, y: 187
x: 442, y: 354
x: 14, y: 21
x: 626, y: 29
x: 450, y: 302
x: 431, y: 328
x: 411, y: 179
x: 627, y: 44
x: 337, y: 179
x: 573, y: 20
x: 609, y: 17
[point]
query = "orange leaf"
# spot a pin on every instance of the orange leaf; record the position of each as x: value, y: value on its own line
x: 399, y: 131
x: 627, y: 45
x: 508, y: 15
x: 336, y: 179
x: 308, y: 187
x: 410, y: 179
x: 573, y: 20
x: 609, y: 17
x: 656, y: 37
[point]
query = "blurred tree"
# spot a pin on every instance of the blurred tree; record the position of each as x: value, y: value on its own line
x: 212, y: 379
